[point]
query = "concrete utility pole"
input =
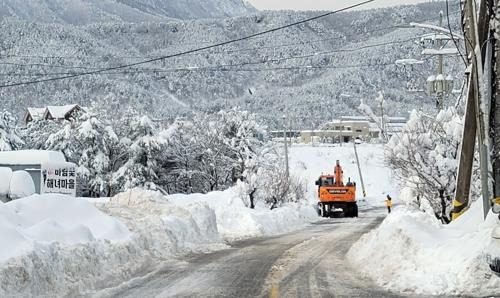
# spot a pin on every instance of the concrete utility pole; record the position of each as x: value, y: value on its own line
x: 493, y: 64
x: 287, y: 172
x: 440, y: 95
x: 474, y: 120
x: 359, y: 168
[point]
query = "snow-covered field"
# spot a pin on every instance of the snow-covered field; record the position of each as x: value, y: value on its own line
x: 412, y: 252
x: 309, y: 162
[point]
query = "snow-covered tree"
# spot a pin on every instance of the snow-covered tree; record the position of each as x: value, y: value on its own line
x: 37, y: 132
x: 141, y: 165
x: 95, y: 140
x: 265, y: 181
x: 9, y: 138
x: 89, y: 142
x: 424, y: 157
x: 381, y: 120
x: 211, y: 152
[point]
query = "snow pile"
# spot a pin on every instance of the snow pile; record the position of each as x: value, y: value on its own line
x: 236, y: 221
x: 55, y: 245
x: 412, y: 252
x: 15, y: 185
x: 5, y: 176
x: 163, y: 228
x: 21, y: 185
x: 60, y: 246
x: 42, y: 219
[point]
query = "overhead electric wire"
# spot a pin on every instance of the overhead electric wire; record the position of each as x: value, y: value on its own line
x: 190, y: 51
x: 230, y: 68
x: 451, y: 32
x: 275, y: 60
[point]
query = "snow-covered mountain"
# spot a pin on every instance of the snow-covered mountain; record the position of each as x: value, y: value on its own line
x: 272, y: 82
x: 192, y: 9
x: 81, y: 12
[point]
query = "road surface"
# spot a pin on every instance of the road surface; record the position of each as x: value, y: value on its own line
x: 307, y: 263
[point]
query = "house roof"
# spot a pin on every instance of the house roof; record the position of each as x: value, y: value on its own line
x: 35, y: 113
x: 60, y: 112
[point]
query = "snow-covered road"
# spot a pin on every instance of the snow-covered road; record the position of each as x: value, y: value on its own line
x: 307, y: 263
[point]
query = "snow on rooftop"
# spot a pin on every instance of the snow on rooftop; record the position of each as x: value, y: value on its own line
x: 60, y: 112
x: 31, y: 157
x: 354, y: 118
x: 36, y: 113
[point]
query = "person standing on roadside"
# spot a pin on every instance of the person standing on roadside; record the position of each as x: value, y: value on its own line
x: 388, y: 202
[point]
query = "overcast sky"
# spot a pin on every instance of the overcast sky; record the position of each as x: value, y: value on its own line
x: 324, y: 4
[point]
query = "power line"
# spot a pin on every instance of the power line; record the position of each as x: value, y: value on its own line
x: 275, y: 60
x: 230, y: 68
x: 191, y: 51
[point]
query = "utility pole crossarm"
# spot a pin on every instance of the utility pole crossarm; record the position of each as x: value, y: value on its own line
x: 442, y: 30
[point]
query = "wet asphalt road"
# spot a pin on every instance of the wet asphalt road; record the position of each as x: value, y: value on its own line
x: 307, y: 263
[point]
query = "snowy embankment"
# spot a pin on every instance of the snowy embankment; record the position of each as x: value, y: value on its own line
x: 412, y: 252
x: 57, y: 245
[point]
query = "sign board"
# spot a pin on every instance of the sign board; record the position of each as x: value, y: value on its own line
x: 58, y: 178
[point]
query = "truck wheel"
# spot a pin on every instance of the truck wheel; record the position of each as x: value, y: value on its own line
x: 354, y: 210
x: 322, y: 210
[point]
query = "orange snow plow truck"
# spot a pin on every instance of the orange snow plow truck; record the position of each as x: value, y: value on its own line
x: 335, y: 196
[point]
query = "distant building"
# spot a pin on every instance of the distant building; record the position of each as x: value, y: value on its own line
x: 55, y: 113
x: 348, y: 128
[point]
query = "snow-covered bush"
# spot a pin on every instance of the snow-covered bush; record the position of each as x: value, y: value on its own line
x: 265, y: 181
x: 424, y: 157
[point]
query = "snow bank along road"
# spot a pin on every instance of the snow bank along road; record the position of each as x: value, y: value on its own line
x: 307, y: 263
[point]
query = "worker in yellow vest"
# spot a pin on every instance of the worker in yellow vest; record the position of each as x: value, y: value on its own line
x: 388, y: 202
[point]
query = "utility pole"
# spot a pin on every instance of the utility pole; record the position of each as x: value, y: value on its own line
x: 492, y: 64
x: 359, y: 168
x: 439, y: 84
x: 287, y: 172
x: 440, y: 93
x: 474, y: 120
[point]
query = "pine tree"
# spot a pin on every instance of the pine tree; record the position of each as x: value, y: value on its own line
x: 95, y: 140
x: 141, y: 166
x: 9, y: 139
